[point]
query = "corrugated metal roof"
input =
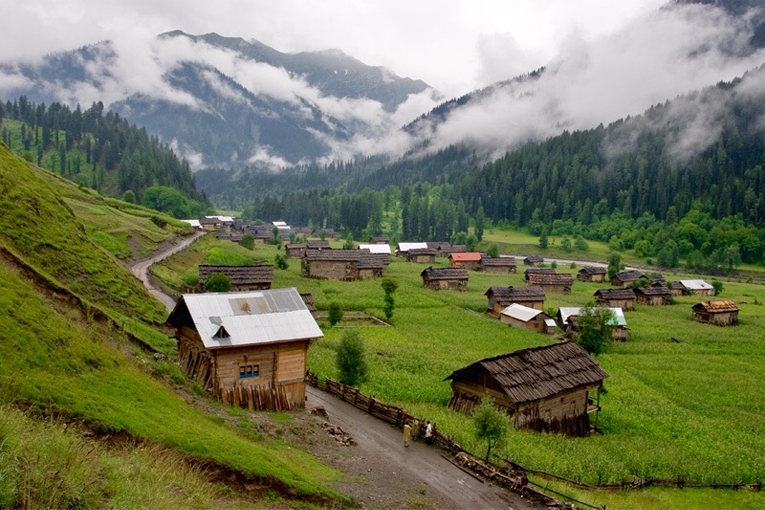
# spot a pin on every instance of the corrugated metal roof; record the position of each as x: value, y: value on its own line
x: 696, y: 285
x: 411, y: 246
x: 376, y: 248
x: 617, y: 317
x: 248, y: 318
x: 520, y: 312
x: 470, y: 256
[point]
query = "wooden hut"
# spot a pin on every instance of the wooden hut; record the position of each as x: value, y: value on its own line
x: 654, y: 295
x: 421, y: 255
x: 501, y: 297
x: 247, y: 348
x: 692, y: 287
x: 504, y: 265
x: 720, y: 313
x: 402, y: 249
x: 379, y: 240
x: 344, y: 265
x: 552, y: 282
x: 625, y: 279
x: 591, y: 274
x: 295, y: 250
x: 252, y: 277
x: 468, y: 260
x: 533, y: 260
x: 445, y: 278
x: 535, y: 270
x: 619, y: 298
x: 521, y: 316
x: 541, y: 388
x: 443, y: 248
x: 567, y: 320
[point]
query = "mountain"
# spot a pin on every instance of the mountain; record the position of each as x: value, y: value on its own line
x: 222, y: 101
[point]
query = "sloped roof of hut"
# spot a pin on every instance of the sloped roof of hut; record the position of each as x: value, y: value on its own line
x: 654, y: 291
x: 510, y: 294
x: 550, y: 279
x: 591, y: 270
x: 722, y: 306
x: 539, y: 372
x: 499, y: 261
x: 232, y: 319
x: 239, y: 275
x: 615, y: 294
x: 445, y: 273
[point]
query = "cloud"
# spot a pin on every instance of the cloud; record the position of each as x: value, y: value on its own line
x: 656, y: 57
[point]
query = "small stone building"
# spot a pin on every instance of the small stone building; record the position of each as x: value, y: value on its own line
x: 500, y: 265
x: 344, y: 265
x: 536, y: 270
x: 500, y: 298
x: 618, y: 298
x: 541, y: 388
x: 720, y: 313
x: 533, y: 260
x: 246, y: 348
x: 521, y: 316
x: 625, y: 279
x: 468, y: 260
x: 654, y: 295
x: 252, y: 277
x: 591, y: 274
x: 552, y: 282
x: 445, y: 278
x: 421, y: 255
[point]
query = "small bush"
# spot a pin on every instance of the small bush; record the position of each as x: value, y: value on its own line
x: 351, y: 359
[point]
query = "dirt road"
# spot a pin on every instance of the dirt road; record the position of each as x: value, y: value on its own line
x: 141, y: 269
x: 395, y: 471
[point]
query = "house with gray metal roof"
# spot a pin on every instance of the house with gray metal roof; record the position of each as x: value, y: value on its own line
x: 246, y: 348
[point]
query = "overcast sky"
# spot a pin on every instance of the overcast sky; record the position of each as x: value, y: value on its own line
x: 454, y: 45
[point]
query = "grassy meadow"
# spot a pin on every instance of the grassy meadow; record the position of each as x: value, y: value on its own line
x: 683, y: 399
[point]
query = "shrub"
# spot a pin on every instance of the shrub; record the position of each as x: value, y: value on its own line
x: 218, y: 282
x: 335, y: 313
x: 491, y: 424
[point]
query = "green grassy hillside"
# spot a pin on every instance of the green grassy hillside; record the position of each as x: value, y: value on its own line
x: 66, y: 360
x: 692, y: 407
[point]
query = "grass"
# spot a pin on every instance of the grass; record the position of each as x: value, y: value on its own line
x: 691, y: 408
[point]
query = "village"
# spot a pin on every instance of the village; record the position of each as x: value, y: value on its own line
x: 249, y: 347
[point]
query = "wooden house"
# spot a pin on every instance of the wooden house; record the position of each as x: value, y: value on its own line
x: 421, y: 255
x: 720, y: 313
x: 468, y: 260
x: 618, y: 298
x: 379, y: 240
x: 445, y: 278
x: 210, y: 223
x: 500, y: 298
x: 503, y: 265
x: 246, y: 348
x: 443, y: 248
x: 654, y: 295
x: 591, y: 274
x: 692, y: 287
x: 295, y: 250
x: 625, y: 279
x: 552, y: 282
x: 533, y: 270
x: 567, y: 320
x: 533, y: 260
x: 521, y: 316
x: 252, y: 277
x: 452, y: 248
x: 402, y: 249
x: 541, y: 388
x: 344, y: 265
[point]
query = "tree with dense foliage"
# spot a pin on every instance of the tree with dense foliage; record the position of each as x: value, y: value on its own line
x: 389, y: 286
x: 280, y: 261
x: 543, y: 239
x: 351, y: 359
x: 717, y: 285
x: 335, y: 313
x: 218, y: 282
x: 128, y: 197
x: 595, y: 328
x: 248, y: 241
x: 491, y: 424
x: 615, y: 264
x: 493, y: 251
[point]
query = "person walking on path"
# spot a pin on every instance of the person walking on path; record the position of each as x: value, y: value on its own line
x: 428, y: 433
x: 407, y: 434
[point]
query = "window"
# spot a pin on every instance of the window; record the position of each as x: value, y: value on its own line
x: 248, y: 371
